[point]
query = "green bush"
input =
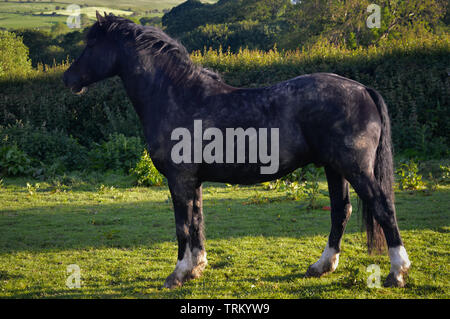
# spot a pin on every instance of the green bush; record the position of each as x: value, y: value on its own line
x: 13, y: 56
x: 301, y: 184
x: 117, y: 153
x: 409, y: 177
x: 301, y: 24
x: 250, y: 34
x: 14, y: 162
x: 445, y: 173
x: 44, y: 146
x: 146, y: 173
x: 42, y: 100
x: 48, y: 47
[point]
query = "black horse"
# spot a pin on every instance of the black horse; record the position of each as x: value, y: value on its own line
x: 318, y: 118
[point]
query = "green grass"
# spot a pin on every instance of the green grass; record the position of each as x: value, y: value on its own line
x: 91, y: 11
x: 17, y: 5
x: 123, y: 239
x: 19, y: 21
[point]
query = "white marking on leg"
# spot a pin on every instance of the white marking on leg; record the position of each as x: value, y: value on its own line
x: 185, y: 265
x: 199, y: 262
x: 399, y: 261
x: 199, y: 257
x: 328, y: 261
x: 193, y: 263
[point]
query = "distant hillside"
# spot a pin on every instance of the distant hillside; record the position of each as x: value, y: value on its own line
x: 260, y: 24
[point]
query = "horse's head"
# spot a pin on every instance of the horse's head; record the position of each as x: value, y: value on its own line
x: 97, y: 61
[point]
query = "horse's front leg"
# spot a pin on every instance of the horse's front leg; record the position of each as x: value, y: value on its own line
x: 187, y: 203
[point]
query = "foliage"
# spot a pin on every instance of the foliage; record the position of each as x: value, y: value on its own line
x: 301, y: 184
x: 33, y: 188
x: 14, y: 162
x: 312, y: 187
x: 52, y: 47
x: 302, y: 24
x: 445, y: 176
x: 59, y: 28
x: 45, y: 147
x: 247, y: 33
x: 153, y: 21
x: 146, y: 173
x: 13, y: 55
x: 294, y: 190
x: 41, y: 99
x: 344, y: 22
x: 409, y: 177
x: 118, y: 152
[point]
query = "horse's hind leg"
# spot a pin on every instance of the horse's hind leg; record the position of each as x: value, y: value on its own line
x: 382, y: 209
x: 187, y: 203
x: 341, y: 210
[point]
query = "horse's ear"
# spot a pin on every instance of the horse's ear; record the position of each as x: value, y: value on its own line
x: 100, y: 19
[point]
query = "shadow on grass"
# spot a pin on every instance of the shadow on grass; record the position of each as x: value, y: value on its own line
x: 152, y: 290
x: 143, y: 223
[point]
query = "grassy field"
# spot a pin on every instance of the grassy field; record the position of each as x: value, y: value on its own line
x: 123, y: 239
x: 22, y: 14
x: 19, y: 20
x: 91, y: 11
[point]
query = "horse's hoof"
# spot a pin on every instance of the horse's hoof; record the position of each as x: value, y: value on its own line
x: 172, y: 282
x: 313, y: 272
x: 197, y: 271
x: 395, y: 281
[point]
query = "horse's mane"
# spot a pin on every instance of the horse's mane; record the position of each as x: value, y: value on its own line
x: 169, y: 55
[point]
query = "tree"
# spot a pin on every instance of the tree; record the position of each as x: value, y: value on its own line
x: 59, y: 28
x: 13, y: 55
x: 339, y: 22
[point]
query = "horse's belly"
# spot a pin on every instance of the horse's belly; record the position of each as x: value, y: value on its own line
x: 247, y: 174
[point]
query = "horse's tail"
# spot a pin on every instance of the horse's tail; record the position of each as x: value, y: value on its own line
x: 384, y: 174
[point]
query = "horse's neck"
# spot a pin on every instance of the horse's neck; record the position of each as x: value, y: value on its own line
x: 155, y: 99
x: 150, y: 91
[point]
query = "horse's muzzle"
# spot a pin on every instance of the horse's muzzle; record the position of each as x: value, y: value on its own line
x: 75, y: 87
